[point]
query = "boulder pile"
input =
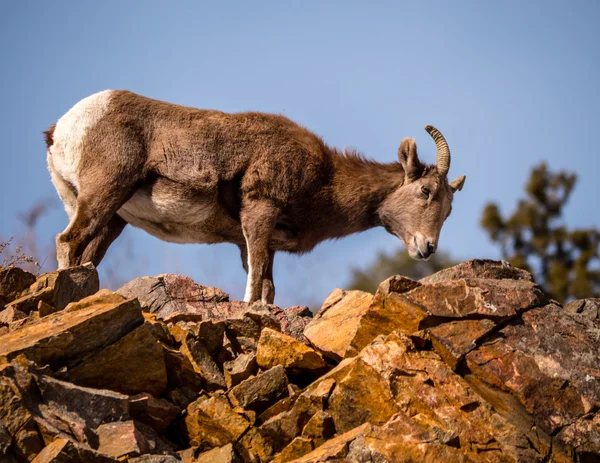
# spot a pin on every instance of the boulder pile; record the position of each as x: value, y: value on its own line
x: 471, y: 364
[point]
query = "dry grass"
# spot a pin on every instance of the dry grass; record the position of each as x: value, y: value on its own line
x: 13, y: 256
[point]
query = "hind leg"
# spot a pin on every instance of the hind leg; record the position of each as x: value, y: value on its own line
x: 68, y: 196
x: 94, y: 224
x: 258, y: 219
x: 96, y: 249
x: 268, y: 288
x: 91, y: 224
x: 110, y: 167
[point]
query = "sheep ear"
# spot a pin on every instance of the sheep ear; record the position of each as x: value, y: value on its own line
x: 409, y: 160
x: 457, y: 184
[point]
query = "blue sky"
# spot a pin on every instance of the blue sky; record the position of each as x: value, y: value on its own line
x: 509, y: 83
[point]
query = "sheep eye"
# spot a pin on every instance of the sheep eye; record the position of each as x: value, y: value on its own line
x: 425, y: 190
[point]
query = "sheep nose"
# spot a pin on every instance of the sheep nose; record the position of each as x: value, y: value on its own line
x: 430, y: 248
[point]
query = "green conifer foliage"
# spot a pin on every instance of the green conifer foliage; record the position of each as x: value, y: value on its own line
x: 536, y: 238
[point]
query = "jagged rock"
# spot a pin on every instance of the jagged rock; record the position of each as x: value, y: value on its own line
x: 10, y: 315
x: 219, y: 408
x: 159, y: 329
x: 27, y: 441
x: 244, y: 327
x: 13, y: 281
x: 466, y: 365
x: 64, y: 338
x: 320, y: 427
x: 43, y: 309
x: 133, y: 364
x: 59, y: 288
x: 279, y: 430
x: 431, y: 305
x: 397, y: 441
x: 156, y: 413
x: 35, y: 409
x: 347, y: 322
x: 66, y: 451
x: 283, y: 405
x: 513, y: 411
x: 179, y: 331
x: 211, y: 334
x: 176, y: 298
x: 49, y: 432
x: 239, y: 369
x: 335, y: 449
x: 225, y: 454
x: 294, y: 321
x: 275, y: 348
x: 396, y: 284
x: 78, y: 410
x: 203, y: 364
x: 402, y: 380
x: 203, y: 431
x: 298, y: 447
x: 182, y: 396
x: 480, y: 269
x: 102, y: 297
x: 154, y: 459
x: 397, y: 306
x: 424, y: 387
x: 5, y: 442
x: 130, y: 439
x: 181, y: 372
x: 581, y: 438
x: 211, y: 422
x: 264, y: 315
x: 187, y: 455
x: 253, y: 447
x: 21, y: 441
x: 261, y: 391
x: 549, y: 361
x: 454, y: 340
x: 458, y: 299
x: 333, y: 328
x: 18, y: 324
x: 375, y: 320
x: 315, y: 398
x: 351, y: 404
x: 590, y: 308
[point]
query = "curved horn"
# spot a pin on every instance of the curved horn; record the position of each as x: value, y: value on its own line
x: 443, y: 152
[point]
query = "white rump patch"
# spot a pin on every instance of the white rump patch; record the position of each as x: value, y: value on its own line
x: 71, y: 129
x: 67, y: 196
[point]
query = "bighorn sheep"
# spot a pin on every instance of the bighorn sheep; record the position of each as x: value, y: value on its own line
x: 257, y: 180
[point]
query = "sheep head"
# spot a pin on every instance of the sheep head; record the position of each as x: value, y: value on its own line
x: 415, y: 212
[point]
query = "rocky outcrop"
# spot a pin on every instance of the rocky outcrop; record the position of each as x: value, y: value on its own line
x: 470, y: 364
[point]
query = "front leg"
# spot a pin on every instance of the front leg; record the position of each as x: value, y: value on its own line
x: 258, y: 219
x: 268, y: 288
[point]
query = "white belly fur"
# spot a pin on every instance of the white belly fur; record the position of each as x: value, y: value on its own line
x: 169, y: 217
